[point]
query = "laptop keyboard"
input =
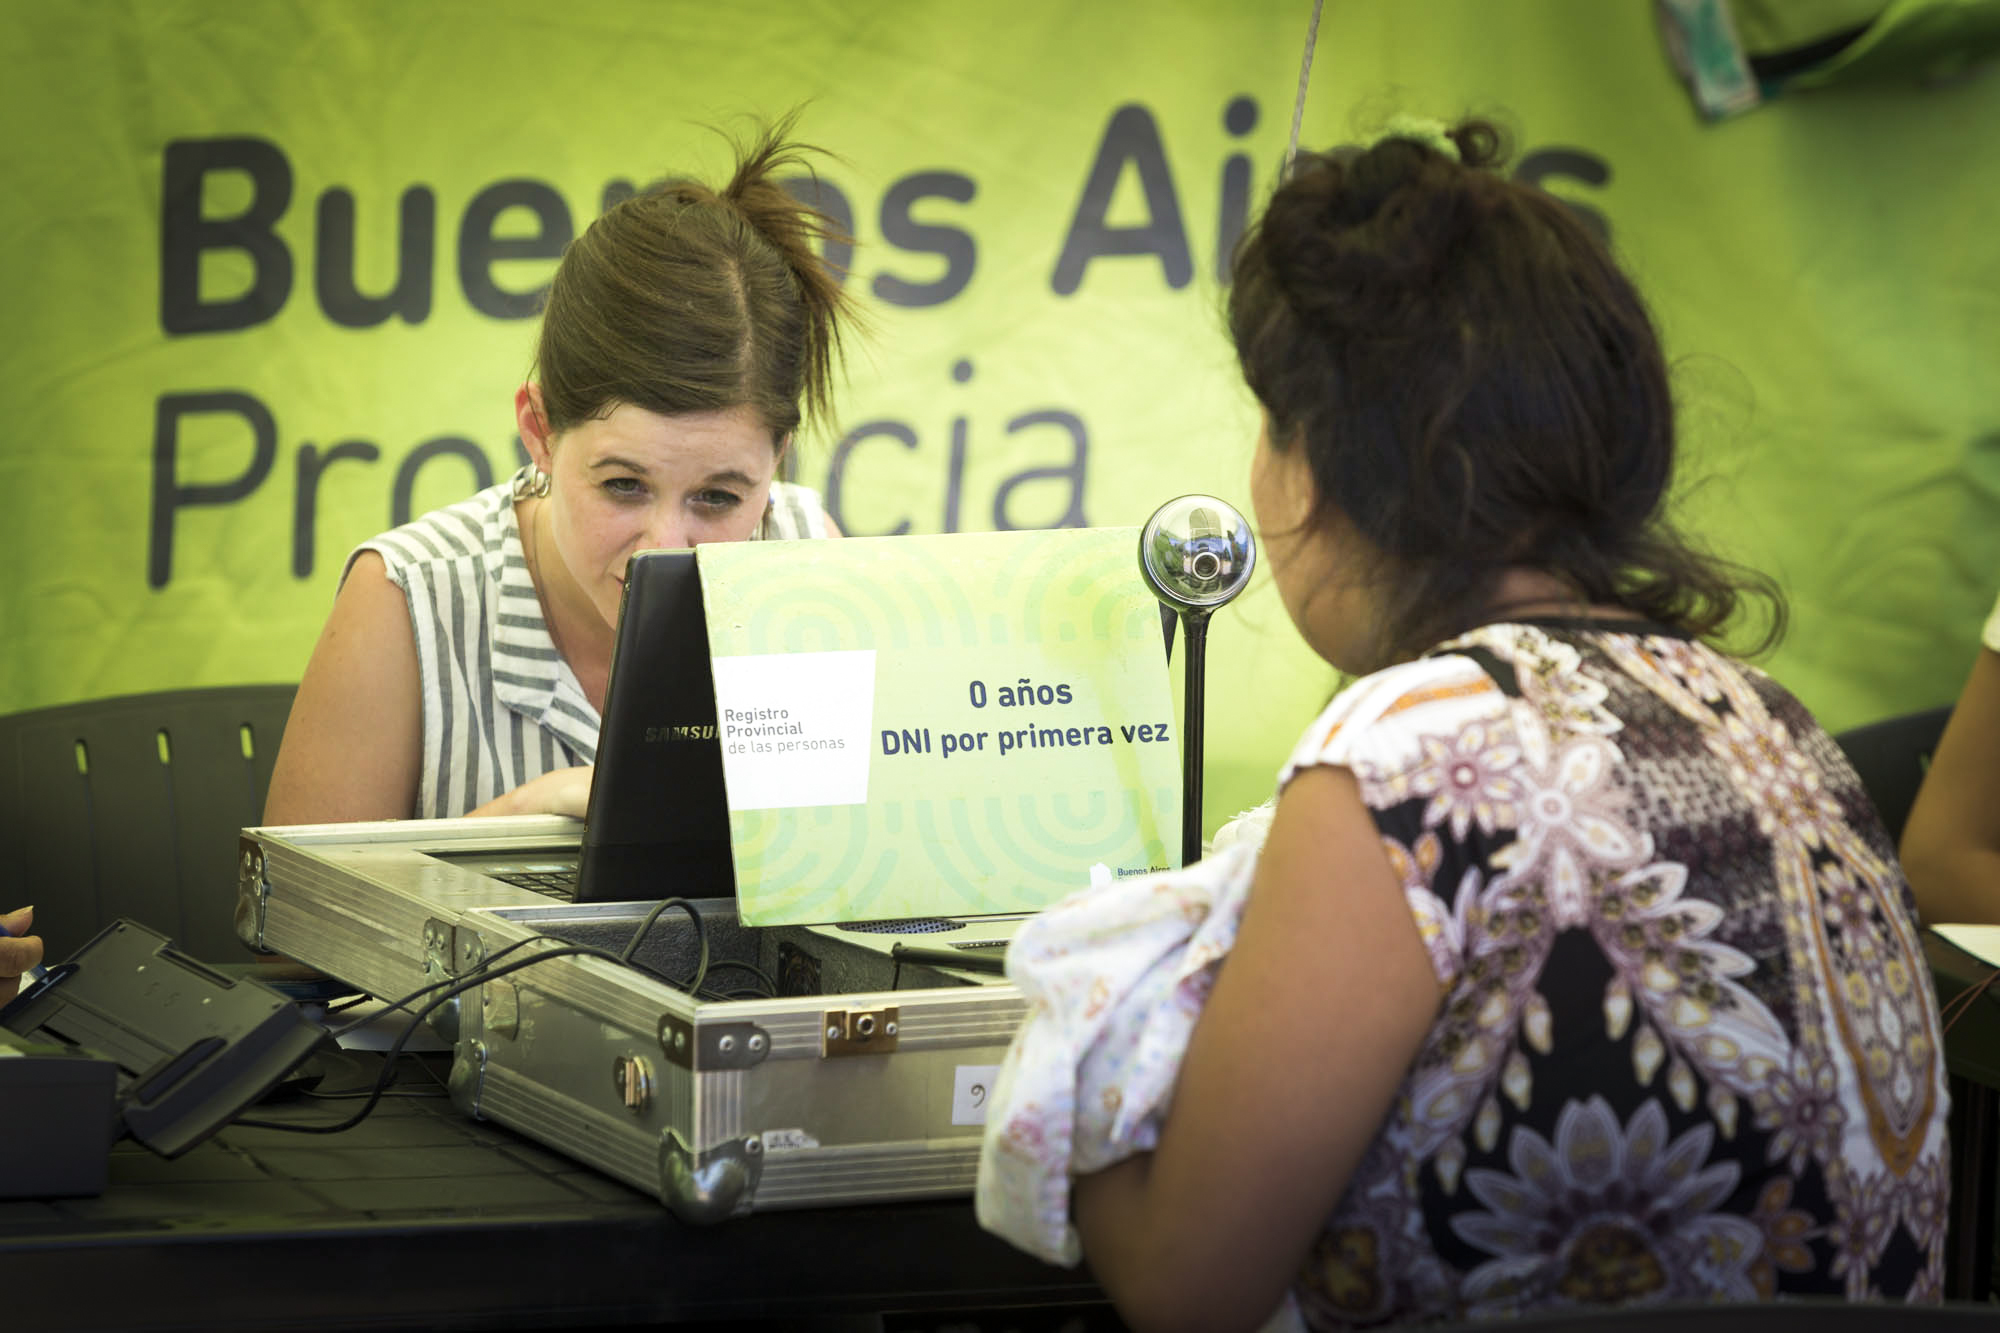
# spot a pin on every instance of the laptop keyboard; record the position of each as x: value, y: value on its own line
x: 555, y: 883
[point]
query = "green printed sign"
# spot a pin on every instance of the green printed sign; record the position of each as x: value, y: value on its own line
x: 247, y: 332
x: 939, y: 725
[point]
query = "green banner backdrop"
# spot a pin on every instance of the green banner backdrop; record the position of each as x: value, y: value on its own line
x: 271, y: 273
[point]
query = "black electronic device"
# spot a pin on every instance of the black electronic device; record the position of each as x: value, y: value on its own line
x: 55, y: 1119
x: 658, y: 821
x: 190, y: 1047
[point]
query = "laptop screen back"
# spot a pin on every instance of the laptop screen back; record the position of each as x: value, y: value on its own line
x: 658, y: 821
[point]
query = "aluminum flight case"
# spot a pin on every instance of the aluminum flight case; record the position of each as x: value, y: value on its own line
x: 862, y: 1080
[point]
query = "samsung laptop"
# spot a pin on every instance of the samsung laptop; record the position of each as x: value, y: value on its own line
x: 658, y: 820
x: 657, y: 825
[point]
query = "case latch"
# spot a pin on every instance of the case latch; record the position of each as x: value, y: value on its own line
x: 632, y: 1080
x: 858, y: 1032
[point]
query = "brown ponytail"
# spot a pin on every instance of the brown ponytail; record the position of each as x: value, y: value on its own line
x: 680, y: 299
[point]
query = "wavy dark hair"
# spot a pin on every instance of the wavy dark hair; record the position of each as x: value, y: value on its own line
x: 683, y: 298
x: 1477, y: 386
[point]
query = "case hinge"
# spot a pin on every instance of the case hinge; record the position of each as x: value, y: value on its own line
x: 468, y: 1075
x: 450, y: 951
x: 253, y: 893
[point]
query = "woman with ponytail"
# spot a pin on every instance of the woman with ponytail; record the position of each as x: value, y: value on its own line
x: 687, y: 334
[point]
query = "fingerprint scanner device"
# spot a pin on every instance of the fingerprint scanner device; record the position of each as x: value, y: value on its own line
x: 130, y: 1036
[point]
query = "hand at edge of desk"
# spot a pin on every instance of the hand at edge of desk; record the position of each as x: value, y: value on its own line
x: 18, y: 953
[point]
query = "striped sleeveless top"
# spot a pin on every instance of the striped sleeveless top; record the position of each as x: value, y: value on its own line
x: 500, y: 705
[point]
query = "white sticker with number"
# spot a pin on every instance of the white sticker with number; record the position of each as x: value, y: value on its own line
x: 971, y: 1089
x: 788, y: 1140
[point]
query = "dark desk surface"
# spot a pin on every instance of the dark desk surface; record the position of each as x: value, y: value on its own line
x: 420, y: 1218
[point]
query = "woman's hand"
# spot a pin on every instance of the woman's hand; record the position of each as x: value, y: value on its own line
x: 564, y: 791
x: 19, y: 953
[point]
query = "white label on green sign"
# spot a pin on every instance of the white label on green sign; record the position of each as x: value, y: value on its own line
x: 794, y: 728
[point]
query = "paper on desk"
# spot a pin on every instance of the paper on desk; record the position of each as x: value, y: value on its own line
x: 1982, y: 942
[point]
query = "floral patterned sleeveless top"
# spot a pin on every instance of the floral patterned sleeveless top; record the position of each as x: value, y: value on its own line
x: 1688, y: 1047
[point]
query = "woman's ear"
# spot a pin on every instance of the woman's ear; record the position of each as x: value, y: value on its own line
x: 533, y: 425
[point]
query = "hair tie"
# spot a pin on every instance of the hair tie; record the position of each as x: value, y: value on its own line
x: 1425, y: 130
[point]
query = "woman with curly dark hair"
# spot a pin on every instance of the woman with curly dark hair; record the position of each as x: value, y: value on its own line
x: 1576, y: 968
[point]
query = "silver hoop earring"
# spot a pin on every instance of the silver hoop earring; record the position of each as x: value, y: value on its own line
x: 530, y: 483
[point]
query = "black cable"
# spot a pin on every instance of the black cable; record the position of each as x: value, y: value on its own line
x: 770, y: 986
x: 337, y: 1033
x: 1960, y: 1004
x: 964, y: 961
x: 452, y: 987
x: 693, y: 984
